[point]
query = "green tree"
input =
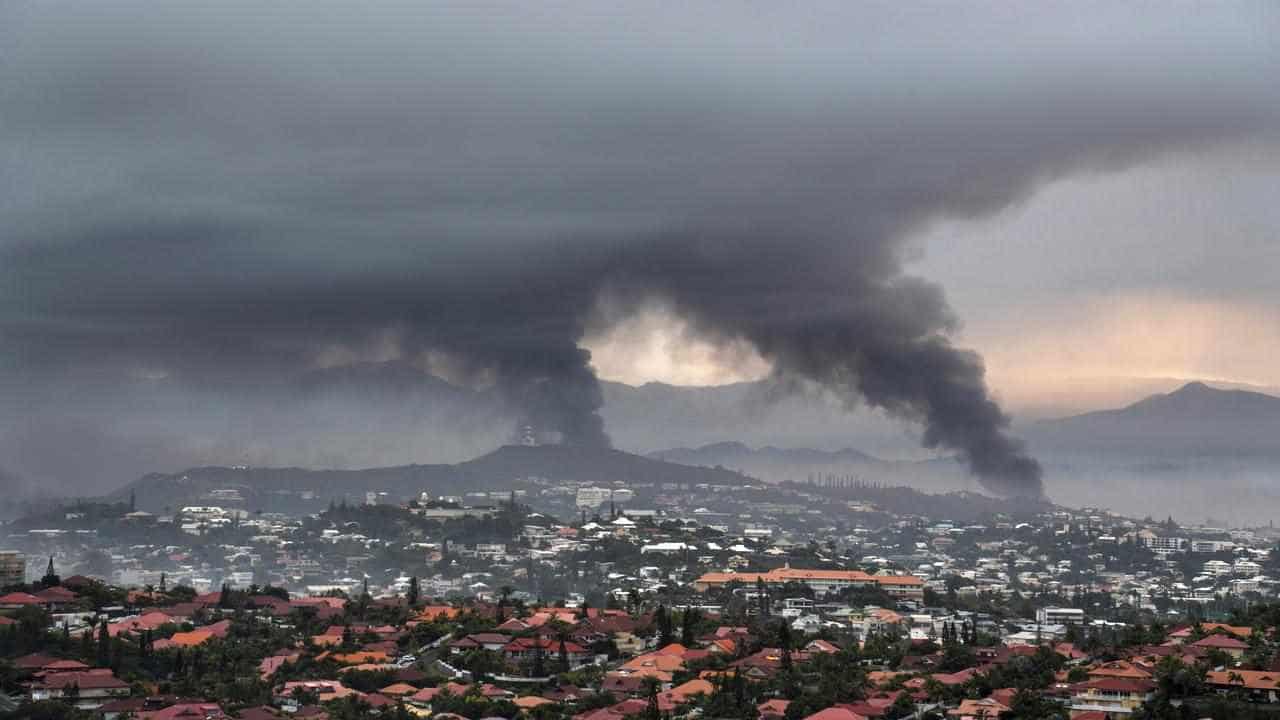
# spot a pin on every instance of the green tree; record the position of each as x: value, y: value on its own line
x: 689, y: 627
x: 651, y: 709
x: 104, y: 645
x: 662, y: 617
x: 762, y: 597
x: 414, y: 591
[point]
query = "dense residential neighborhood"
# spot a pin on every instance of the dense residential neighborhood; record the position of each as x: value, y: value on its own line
x: 639, y: 361
x: 827, y: 600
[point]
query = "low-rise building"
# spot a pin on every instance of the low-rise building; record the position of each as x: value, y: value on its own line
x: 1059, y: 616
x: 1116, y: 697
x: 13, y: 568
x: 820, y: 581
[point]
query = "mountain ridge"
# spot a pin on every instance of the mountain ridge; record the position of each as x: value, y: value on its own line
x: 731, y: 448
x: 1193, y: 420
x: 1195, y: 396
x: 270, y: 488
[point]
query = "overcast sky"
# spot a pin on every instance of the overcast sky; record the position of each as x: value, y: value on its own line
x: 227, y: 194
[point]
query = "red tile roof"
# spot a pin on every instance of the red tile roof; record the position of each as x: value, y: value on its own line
x: 1222, y: 642
x: 91, y: 680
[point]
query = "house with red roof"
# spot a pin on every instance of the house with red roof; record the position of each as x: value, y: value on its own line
x: 493, y: 642
x: 34, y: 662
x: 982, y: 709
x: 19, y: 600
x: 514, y: 625
x: 624, y: 709
x: 525, y: 650
x: 56, y: 596
x: 774, y: 709
x: 122, y: 707
x: 766, y: 663
x: 184, y: 711
x: 1116, y: 696
x: 424, y: 696
x: 148, y: 621
x: 686, y: 692
x: 1228, y: 644
x: 1260, y: 685
x: 326, y: 690
x: 1185, y: 634
x: 619, y: 685
x: 58, y: 666
x: 272, y: 663
x: 1122, y: 669
x: 91, y: 689
x: 184, y: 640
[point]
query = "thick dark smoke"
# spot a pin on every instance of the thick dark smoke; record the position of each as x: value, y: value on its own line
x: 839, y: 313
x: 204, y: 203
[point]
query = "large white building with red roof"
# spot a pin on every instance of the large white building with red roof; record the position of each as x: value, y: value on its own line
x: 820, y: 581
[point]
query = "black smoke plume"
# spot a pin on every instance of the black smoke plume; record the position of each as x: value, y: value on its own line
x: 204, y: 202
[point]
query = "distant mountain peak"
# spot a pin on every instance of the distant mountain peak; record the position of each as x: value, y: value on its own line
x: 1204, y: 391
x: 1200, y: 397
x: 1196, y: 418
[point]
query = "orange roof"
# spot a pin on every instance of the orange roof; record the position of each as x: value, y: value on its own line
x: 836, y: 713
x: 724, y: 645
x: 528, y: 702
x: 887, y: 615
x: 986, y: 707
x: 776, y: 706
x: 654, y: 661
x: 880, y: 677
x: 685, y: 691
x: 1221, y: 641
x: 190, y: 639
x: 788, y: 574
x: 640, y: 672
x: 326, y: 689
x: 542, y: 617
x: 898, y: 580
x: 1249, y: 679
x: 437, y: 612
x: 361, y: 658
x: 1240, y: 631
x: 1119, y: 669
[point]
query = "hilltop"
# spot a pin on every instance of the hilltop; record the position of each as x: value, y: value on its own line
x: 1195, y: 419
x: 265, y: 488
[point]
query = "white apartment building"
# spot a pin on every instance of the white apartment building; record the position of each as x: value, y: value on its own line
x: 1059, y: 616
x: 1245, y: 568
x: 1207, y: 547
x: 593, y: 497
x: 1217, y: 567
x: 1162, y: 545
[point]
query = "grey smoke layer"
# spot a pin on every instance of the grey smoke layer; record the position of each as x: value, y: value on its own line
x: 218, y: 198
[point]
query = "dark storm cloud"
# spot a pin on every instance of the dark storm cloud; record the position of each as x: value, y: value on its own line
x: 221, y: 194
